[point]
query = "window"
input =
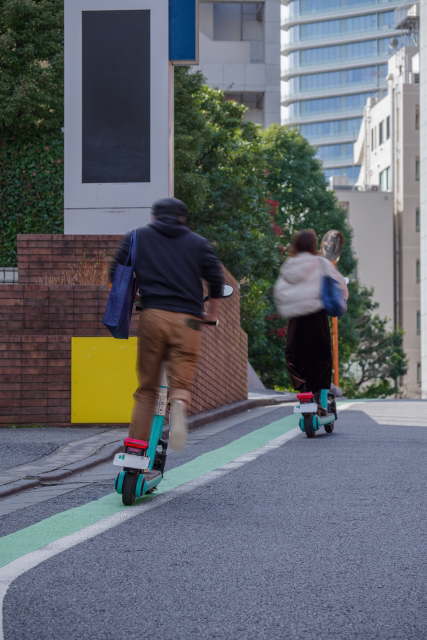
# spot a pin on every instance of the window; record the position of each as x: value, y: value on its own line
x: 417, y: 117
x: 418, y: 323
x: 385, y: 181
x: 417, y: 170
x: 379, y: 47
x: 353, y: 102
x: 418, y: 372
x: 330, y: 28
x: 241, y: 22
x: 381, y: 133
x: 374, y: 75
x: 253, y: 101
x: 350, y: 172
x: 417, y: 219
x: 418, y: 271
x: 331, y: 128
x: 316, y: 6
x: 387, y: 128
x: 336, y: 152
x: 373, y: 138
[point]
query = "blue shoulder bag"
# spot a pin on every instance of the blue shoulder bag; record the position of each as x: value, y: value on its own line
x: 120, y: 302
x: 332, y: 297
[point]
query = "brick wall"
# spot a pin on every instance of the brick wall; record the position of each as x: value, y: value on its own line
x: 38, y: 317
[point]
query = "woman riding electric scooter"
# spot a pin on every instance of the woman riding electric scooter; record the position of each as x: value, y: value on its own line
x: 298, y: 297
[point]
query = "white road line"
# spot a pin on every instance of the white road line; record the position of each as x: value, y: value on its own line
x: 12, y: 571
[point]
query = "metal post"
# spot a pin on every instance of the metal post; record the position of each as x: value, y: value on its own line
x: 335, y: 352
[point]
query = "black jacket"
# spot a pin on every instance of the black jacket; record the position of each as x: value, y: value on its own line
x: 171, y: 262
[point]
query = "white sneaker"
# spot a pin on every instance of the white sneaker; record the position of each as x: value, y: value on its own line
x: 178, y: 425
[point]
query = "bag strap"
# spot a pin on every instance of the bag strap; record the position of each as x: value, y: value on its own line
x: 131, y: 259
x: 133, y: 248
x: 323, y: 266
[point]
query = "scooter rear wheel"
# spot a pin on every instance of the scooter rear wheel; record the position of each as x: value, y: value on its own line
x: 308, y: 425
x: 129, y: 489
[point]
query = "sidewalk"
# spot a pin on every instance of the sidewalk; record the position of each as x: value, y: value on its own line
x: 35, y: 456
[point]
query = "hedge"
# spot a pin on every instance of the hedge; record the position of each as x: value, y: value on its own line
x: 31, y: 190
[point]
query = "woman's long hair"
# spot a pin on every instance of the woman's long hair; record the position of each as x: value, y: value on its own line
x: 304, y: 241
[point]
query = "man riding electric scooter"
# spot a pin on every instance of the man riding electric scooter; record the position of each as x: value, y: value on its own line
x: 170, y: 264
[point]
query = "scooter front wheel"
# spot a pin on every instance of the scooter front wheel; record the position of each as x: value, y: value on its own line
x: 308, y: 425
x: 129, y: 489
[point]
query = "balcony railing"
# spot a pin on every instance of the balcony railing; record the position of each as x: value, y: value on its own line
x: 324, y: 116
x: 337, y: 90
x: 8, y: 275
x: 340, y: 38
x: 289, y: 71
x: 295, y: 17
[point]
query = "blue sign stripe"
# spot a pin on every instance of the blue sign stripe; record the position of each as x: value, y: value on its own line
x: 183, y: 30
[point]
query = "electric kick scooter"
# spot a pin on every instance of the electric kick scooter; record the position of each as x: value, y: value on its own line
x: 143, y: 463
x: 308, y: 408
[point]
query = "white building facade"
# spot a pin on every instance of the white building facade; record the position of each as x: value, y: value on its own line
x: 423, y: 198
x: 240, y: 54
x: 388, y: 151
x: 334, y: 56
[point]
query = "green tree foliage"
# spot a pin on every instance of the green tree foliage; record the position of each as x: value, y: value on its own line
x: 31, y: 117
x: 31, y: 63
x: 372, y: 356
x: 31, y: 191
x: 296, y: 182
x: 219, y: 173
x: 241, y: 185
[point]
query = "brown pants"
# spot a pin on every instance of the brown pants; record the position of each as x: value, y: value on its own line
x: 163, y: 336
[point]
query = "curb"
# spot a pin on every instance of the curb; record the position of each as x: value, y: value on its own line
x: 108, y: 451
x: 237, y: 407
x: 50, y: 477
x: 105, y: 454
x: 17, y: 486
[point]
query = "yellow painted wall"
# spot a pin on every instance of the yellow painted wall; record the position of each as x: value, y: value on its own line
x: 103, y: 379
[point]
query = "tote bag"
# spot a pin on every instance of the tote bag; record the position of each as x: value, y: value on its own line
x: 118, y: 312
x: 332, y: 296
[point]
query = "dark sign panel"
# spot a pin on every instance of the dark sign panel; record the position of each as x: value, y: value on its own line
x: 183, y: 31
x: 116, y: 96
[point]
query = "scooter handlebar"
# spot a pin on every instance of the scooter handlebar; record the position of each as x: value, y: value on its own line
x: 211, y: 323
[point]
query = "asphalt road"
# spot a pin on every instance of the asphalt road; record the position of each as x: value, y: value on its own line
x: 314, y: 540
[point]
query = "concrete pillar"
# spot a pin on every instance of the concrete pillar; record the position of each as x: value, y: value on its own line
x: 118, y: 156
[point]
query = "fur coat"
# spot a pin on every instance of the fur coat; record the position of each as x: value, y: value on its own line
x: 297, y: 289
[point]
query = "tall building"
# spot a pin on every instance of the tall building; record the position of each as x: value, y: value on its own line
x: 335, y: 56
x: 388, y: 150
x: 240, y: 54
x: 369, y: 252
x: 423, y: 195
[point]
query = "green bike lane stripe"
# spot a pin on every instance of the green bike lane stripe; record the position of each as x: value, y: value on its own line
x: 65, y: 523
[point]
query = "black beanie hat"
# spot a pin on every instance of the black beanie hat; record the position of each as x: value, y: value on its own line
x: 167, y: 207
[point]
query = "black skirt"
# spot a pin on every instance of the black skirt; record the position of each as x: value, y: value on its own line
x: 308, y: 352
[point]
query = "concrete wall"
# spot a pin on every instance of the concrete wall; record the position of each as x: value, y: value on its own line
x: 407, y: 201
x: 371, y: 218
x: 227, y: 65
x: 423, y: 234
